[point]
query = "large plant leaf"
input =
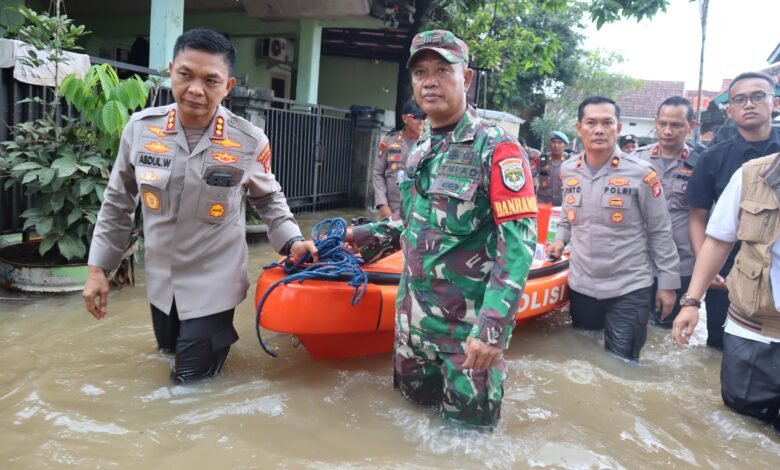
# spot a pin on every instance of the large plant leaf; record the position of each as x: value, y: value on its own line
x: 65, y: 166
x: 114, y: 117
x: 85, y: 187
x: 71, y: 247
x: 44, y: 226
x: 26, y: 166
x: 74, y: 216
x: 47, y: 243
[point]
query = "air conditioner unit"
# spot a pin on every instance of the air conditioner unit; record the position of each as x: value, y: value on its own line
x: 273, y: 48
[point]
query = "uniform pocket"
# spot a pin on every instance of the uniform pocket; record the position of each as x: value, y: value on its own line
x: 220, y: 195
x: 153, y: 185
x: 754, y: 222
x: 745, y: 283
x: 452, y: 205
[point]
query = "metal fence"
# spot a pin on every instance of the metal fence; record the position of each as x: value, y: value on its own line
x: 312, y: 146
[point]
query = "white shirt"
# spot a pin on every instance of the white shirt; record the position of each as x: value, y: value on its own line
x: 724, y: 225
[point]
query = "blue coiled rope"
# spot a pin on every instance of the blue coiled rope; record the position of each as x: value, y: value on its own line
x: 335, y: 262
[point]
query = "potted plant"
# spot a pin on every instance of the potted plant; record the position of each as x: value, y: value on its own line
x: 63, y: 163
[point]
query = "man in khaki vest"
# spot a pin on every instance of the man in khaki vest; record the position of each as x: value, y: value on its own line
x: 747, y: 211
x: 191, y: 164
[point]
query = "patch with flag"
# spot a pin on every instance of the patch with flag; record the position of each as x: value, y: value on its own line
x: 265, y: 158
x: 512, y: 194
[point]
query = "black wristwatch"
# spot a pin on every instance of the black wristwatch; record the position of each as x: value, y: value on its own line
x: 688, y: 301
x: 288, y: 246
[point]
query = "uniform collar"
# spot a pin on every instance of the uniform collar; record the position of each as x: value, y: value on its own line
x: 747, y: 150
x: 655, y: 152
x: 467, y: 127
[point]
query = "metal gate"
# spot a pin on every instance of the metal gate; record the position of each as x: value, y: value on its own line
x: 311, y: 153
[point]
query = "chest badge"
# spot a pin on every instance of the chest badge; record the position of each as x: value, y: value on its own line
x: 571, y: 215
x: 512, y: 173
x: 152, y: 200
x: 149, y: 176
x: 572, y: 181
x: 217, y: 210
x: 616, y: 201
x: 157, y: 131
x: 224, y: 157
x: 157, y: 147
x: 226, y: 143
x: 616, y: 217
x: 619, y: 181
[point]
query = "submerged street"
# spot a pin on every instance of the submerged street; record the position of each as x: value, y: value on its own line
x: 75, y: 391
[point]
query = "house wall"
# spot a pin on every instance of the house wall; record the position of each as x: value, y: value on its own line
x: 644, y: 128
x: 345, y: 81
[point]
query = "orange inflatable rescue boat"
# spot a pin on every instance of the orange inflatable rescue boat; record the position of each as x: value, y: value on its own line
x: 320, y: 312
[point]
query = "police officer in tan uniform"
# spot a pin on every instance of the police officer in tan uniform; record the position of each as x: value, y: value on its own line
x: 615, y: 215
x: 191, y: 163
x: 669, y: 157
x: 393, y: 150
x: 548, y: 190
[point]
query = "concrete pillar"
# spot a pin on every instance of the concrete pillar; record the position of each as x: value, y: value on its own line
x: 251, y: 103
x: 167, y: 24
x: 369, y: 129
x: 308, y: 52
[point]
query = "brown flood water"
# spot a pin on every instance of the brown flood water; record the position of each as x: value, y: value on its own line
x: 81, y: 393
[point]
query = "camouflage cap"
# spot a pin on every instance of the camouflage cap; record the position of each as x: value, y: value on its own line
x: 443, y: 42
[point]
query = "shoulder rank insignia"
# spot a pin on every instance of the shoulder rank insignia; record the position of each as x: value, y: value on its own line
x: 615, y: 162
x: 219, y: 127
x: 171, y: 123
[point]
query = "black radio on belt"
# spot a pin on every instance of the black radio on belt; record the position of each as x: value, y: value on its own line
x: 219, y: 179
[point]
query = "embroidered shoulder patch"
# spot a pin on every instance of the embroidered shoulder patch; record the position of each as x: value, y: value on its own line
x: 511, y: 187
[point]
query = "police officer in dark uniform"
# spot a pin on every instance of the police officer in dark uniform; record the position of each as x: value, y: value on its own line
x: 750, y: 106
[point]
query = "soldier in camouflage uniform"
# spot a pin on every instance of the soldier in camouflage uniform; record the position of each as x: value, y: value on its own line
x: 393, y: 150
x: 467, y: 231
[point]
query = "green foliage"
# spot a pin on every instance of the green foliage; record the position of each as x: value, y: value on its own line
x: 594, y: 77
x: 609, y: 11
x: 63, y: 171
x: 49, y: 34
x: 63, y: 163
x: 105, y: 102
x: 528, y: 47
x: 559, y: 120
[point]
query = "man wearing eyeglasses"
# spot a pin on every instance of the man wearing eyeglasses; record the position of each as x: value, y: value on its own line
x: 669, y: 157
x: 750, y: 106
x: 393, y: 150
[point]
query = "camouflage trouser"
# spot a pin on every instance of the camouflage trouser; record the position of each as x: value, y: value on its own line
x: 437, y: 380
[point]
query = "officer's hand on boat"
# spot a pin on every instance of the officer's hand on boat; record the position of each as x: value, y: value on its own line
x: 300, y: 249
x: 684, y: 324
x: 96, y: 289
x: 479, y: 355
x: 554, y: 250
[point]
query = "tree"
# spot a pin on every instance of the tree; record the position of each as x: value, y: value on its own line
x: 526, y: 45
